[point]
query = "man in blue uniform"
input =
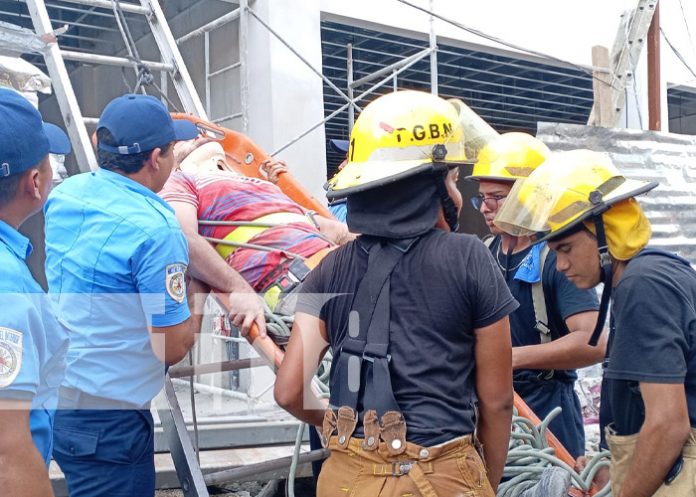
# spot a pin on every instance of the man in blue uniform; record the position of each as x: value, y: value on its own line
x: 117, y: 259
x: 551, y: 326
x: 32, y: 342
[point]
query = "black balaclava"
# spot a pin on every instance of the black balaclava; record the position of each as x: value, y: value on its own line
x: 403, y: 209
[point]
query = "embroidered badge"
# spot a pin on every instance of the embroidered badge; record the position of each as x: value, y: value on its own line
x: 10, y: 355
x: 174, y: 282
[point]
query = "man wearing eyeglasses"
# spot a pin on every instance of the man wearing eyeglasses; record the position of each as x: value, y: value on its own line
x: 551, y: 328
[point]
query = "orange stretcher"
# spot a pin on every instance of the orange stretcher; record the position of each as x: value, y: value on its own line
x: 245, y: 157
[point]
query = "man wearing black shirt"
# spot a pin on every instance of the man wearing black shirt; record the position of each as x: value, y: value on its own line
x: 586, y: 209
x: 416, y: 317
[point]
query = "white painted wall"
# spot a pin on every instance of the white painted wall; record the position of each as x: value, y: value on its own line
x: 285, y: 96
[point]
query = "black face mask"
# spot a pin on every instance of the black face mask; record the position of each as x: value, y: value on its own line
x: 403, y: 209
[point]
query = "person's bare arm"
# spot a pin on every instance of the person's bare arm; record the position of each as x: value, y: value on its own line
x: 662, y: 436
x: 569, y: 352
x: 335, y: 231
x: 494, y: 390
x: 23, y: 472
x: 207, y: 265
x: 293, y: 386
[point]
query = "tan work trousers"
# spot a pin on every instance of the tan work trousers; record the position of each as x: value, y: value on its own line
x: 622, y: 449
x: 451, y: 469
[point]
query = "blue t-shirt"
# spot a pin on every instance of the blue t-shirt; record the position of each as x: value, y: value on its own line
x: 653, y: 337
x: 562, y: 298
x: 32, y: 341
x: 116, y: 257
x: 340, y: 210
x: 441, y: 290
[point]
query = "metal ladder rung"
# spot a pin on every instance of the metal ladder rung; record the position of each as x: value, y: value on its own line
x: 106, y: 4
x: 90, y: 120
x: 109, y: 60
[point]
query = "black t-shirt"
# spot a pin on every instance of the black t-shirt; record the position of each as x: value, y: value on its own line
x: 563, y: 299
x: 653, y: 337
x: 442, y: 289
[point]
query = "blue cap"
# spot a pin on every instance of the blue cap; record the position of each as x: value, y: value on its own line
x: 340, y: 146
x: 140, y: 123
x: 24, y: 138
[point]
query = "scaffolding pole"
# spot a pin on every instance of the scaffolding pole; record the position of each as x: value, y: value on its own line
x: 67, y: 101
x: 433, y: 54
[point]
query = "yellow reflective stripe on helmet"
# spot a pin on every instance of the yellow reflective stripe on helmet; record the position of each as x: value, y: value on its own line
x: 243, y: 234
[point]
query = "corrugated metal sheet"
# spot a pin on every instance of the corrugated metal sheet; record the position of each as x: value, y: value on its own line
x: 665, y: 157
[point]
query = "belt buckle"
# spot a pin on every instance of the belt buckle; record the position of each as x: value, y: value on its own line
x: 401, y: 468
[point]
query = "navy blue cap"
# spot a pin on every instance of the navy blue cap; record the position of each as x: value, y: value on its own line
x: 340, y: 146
x: 24, y: 138
x: 140, y: 123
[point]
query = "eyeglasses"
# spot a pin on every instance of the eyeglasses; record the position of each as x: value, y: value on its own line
x: 491, y: 202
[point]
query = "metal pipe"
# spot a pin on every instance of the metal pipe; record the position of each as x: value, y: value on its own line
x: 306, y: 62
x: 388, y: 69
x: 216, y: 367
x: 224, y: 69
x: 106, y: 4
x: 225, y: 118
x: 108, y: 60
x: 433, y: 54
x: 244, y: 60
x: 252, y: 246
x: 239, y: 473
x: 212, y: 25
x: 349, y: 77
x: 339, y: 110
x: 206, y: 55
x: 251, y: 224
x: 79, y: 10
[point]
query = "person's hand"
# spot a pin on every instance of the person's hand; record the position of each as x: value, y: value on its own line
x: 271, y: 169
x: 182, y: 149
x: 602, y: 476
x: 245, y: 310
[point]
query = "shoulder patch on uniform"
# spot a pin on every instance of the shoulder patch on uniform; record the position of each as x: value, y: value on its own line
x: 10, y: 355
x: 175, y: 282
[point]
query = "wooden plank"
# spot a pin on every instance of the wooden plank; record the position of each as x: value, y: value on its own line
x: 602, y: 110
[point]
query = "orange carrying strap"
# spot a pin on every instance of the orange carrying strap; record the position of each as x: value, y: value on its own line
x: 245, y: 157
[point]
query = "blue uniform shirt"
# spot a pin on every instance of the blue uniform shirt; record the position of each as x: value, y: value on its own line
x: 32, y: 341
x: 116, y: 257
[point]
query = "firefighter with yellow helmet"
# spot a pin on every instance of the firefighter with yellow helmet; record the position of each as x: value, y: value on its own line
x: 586, y: 209
x: 553, y: 323
x: 415, y: 314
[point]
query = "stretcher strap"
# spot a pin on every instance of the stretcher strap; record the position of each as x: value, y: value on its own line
x: 243, y: 234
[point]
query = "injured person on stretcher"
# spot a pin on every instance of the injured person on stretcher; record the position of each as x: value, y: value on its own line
x: 246, y: 237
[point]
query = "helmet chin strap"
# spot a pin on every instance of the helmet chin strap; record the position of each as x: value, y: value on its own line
x: 448, y: 206
x: 606, y: 269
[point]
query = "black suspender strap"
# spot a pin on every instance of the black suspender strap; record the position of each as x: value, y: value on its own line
x: 367, y: 343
